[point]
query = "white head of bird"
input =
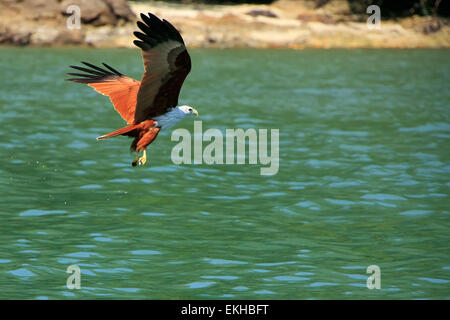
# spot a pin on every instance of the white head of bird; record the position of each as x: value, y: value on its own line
x: 188, y: 110
x: 174, y: 116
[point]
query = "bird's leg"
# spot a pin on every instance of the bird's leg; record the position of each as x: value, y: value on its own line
x: 142, y: 160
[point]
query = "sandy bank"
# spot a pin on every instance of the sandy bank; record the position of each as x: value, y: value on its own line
x: 284, y: 24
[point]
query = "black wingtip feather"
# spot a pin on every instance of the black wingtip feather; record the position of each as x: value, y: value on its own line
x: 143, y: 27
x: 94, y: 74
x: 112, y: 69
x: 90, y: 65
x: 79, y: 74
x: 140, y: 44
x: 145, y: 19
x: 155, y: 31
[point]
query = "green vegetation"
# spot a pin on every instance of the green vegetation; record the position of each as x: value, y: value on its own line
x: 403, y: 8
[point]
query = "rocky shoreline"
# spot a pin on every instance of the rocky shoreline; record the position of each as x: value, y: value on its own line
x: 283, y: 24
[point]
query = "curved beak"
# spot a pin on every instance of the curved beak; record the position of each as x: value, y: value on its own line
x: 195, y: 112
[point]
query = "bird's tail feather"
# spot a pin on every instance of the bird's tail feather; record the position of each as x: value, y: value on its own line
x: 122, y: 131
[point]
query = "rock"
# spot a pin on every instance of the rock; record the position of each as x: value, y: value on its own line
x: 44, y: 35
x: 264, y: 13
x: 70, y: 37
x: 121, y: 9
x: 107, y: 37
x: 95, y: 12
x: 16, y: 37
x: 44, y: 22
x: 40, y: 9
x: 48, y: 36
x: 323, y: 18
x: 432, y: 26
x: 100, y: 12
x: 98, y: 35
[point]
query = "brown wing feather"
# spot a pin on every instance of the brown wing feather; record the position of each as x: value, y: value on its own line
x: 167, y: 63
x: 121, y: 90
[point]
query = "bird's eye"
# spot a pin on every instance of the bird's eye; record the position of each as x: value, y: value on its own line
x: 190, y: 109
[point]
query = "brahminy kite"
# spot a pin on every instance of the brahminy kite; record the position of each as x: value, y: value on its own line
x: 151, y: 104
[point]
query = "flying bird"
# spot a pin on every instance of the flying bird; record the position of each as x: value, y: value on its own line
x: 149, y: 105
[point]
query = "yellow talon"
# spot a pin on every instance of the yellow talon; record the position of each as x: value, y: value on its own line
x: 143, y: 159
x: 140, y: 160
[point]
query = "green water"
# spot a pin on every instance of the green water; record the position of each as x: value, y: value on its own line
x: 363, y: 180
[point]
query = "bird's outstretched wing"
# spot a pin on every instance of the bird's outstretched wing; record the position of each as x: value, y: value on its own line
x: 167, y: 63
x: 121, y: 89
